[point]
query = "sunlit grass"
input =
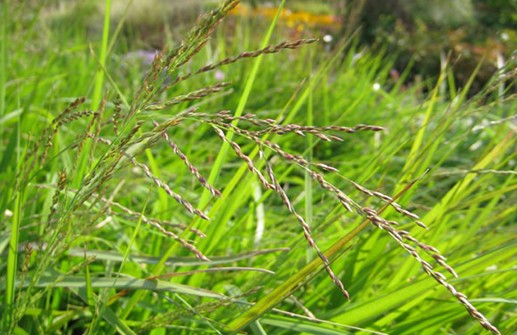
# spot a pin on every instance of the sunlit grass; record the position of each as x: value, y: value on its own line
x: 105, y: 198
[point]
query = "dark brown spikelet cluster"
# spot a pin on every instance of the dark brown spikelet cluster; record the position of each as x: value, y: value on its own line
x: 55, y: 199
x: 67, y: 116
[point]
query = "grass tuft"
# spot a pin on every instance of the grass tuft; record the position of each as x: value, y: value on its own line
x: 136, y: 215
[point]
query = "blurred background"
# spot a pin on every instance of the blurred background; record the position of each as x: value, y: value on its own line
x: 419, y: 33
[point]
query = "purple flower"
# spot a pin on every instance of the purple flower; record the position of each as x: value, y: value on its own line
x: 219, y: 75
x: 145, y: 56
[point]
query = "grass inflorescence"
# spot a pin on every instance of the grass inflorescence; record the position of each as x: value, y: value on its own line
x: 120, y: 210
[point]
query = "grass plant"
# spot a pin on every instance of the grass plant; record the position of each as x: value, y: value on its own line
x: 306, y: 192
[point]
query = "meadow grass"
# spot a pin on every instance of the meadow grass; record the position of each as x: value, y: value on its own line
x: 305, y: 192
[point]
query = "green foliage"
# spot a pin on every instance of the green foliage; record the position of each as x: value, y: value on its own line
x: 111, y: 168
x: 471, y: 32
x: 498, y: 14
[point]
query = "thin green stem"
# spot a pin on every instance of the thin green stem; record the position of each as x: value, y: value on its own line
x: 12, y: 262
x: 3, y: 65
x: 99, y: 77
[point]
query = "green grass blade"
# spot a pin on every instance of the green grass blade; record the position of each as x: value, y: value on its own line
x: 286, y: 288
x: 173, y: 261
x: 124, y: 283
x: 3, y: 64
x: 216, y: 168
x: 82, y: 167
x: 296, y: 326
x: 99, y: 76
x: 12, y: 262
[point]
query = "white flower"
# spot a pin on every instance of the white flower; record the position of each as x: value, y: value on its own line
x: 327, y: 38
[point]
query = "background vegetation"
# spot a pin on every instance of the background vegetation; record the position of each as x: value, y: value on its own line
x: 113, y: 155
